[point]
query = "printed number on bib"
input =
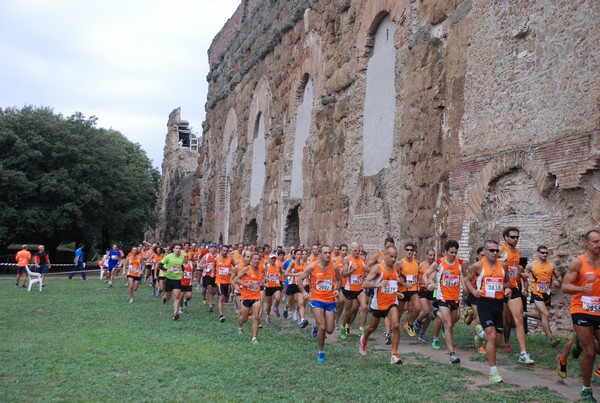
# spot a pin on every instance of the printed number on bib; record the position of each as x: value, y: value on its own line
x: 493, y: 285
x: 356, y: 279
x: 391, y: 288
x: 175, y: 269
x: 544, y: 286
x: 324, y: 285
x: 513, y: 271
x: 253, y: 285
x: 591, y: 304
x: 273, y: 278
x: 187, y: 274
x: 451, y: 280
x: 412, y: 279
x: 223, y: 271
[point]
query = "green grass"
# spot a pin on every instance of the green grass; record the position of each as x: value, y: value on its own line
x: 81, y: 341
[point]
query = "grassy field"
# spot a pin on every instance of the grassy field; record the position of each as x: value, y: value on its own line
x: 81, y: 341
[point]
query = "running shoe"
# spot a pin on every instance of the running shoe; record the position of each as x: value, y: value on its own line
x: 388, y: 338
x: 176, y: 316
x: 481, y: 350
x: 235, y: 309
x: 395, y: 359
x: 587, y: 395
x: 417, y: 326
x: 423, y: 338
x: 260, y: 326
x: 164, y: 300
x: 268, y: 318
x: 313, y: 332
x: 240, y: 330
x: 478, y: 330
x: 204, y: 301
x: 295, y: 315
x: 185, y: 302
x: 524, y: 358
x: 507, y: 347
x: 435, y: 344
x: 362, y: 346
x: 131, y: 300
x: 361, y: 331
x: 411, y: 332
x: 277, y: 315
x: 468, y: 316
x: 253, y: 341
x: 346, y: 329
x: 211, y: 309
x: 110, y: 283
x: 321, y: 357
x: 303, y: 323
x: 285, y: 313
x: 561, y: 369
x: 554, y: 341
x: 454, y: 358
x: 221, y: 318
x: 343, y: 335
x: 181, y: 310
x: 495, y: 377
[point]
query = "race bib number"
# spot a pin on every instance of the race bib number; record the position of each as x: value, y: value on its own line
x: 187, y: 274
x: 513, y: 271
x: 591, y: 304
x: 324, y: 285
x: 411, y: 279
x: 253, y: 286
x: 223, y: 271
x: 544, y: 286
x: 175, y: 269
x: 113, y: 257
x: 274, y: 278
x: 209, y: 267
x: 356, y: 279
x: 391, y: 288
x: 451, y: 280
x: 134, y: 270
x: 492, y: 286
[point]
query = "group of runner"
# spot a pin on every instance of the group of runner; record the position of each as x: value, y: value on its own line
x: 341, y: 284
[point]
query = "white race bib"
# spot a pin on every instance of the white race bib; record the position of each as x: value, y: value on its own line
x: 356, y: 279
x: 492, y: 286
x: 324, y: 285
x: 391, y: 288
x: 591, y: 304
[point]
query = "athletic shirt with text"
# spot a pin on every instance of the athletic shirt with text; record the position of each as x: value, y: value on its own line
x: 273, y: 272
x: 410, y: 271
x: 174, y: 263
x: 209, y: 269
x: 296, y: 269
x: 386, y: 296
x: 448, y: 276
x: 512, y: 261
x: 587, y: 303
x: 188, y: 274
x: 135, y: 265
x: 253, y: 278
x: 541, y: 278
x: 490, y: 281
x: 322, y: 283
x: 355, y: 279
x: 223, y: 268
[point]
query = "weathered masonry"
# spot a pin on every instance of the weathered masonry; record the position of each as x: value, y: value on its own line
x: 341, y: 120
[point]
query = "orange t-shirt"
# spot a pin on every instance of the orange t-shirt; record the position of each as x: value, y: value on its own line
x: 253, y: 278
x: 386, y: 296
x: 322, y: 283
x: 135, y: 269
x: 587, y: 303
x: 490, y: 281
x: 223, y: 269
x: 410, y: 271
x: 23, y: 258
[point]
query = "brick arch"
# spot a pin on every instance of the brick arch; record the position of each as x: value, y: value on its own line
x: 229, y: 130
x: 262, y: 99
x: 372, y: 14
x: 311, y: 67
x: 500, y: 165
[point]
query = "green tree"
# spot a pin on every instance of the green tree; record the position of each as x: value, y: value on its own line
x: 65, y: 180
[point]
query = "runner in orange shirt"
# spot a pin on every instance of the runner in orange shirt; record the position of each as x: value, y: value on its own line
x: 408, y: 271
x: 23, y: 258
x: 582, y: 281
x: 134, y: 271
x: 541, y: 271
x: 421, y: 324
x: 273, y: 273
x: 325, y: 283
x: 250, y: 279
x: 186, y: 282
x: 446, y: 273
x: 159, y: 275
x: 354, y: 272
x: 295, y: 288
x: 383, y: 278
x: 223, y: 269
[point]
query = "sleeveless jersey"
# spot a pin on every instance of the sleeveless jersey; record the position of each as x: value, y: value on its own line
x: 253, y: 278
x: 423, y: 267
x: 386, y: 296
x: 354, y: 282
x: 490, y: 281
x: 135, y: 269
x: 587, y: 303
x: 410, y: 272
x: 209, y: 269
x: 298, y: 268
x: 188, y: 274
x: 448, y: 284
x: 541, y: 278
x: 512, y: 261
x: 223, y: 268
x: 273, y: 275
x: 322, y: 283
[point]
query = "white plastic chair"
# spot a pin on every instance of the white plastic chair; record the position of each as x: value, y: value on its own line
x: 34, y: 278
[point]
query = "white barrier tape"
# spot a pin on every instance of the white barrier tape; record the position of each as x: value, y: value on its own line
x: 52, y: 264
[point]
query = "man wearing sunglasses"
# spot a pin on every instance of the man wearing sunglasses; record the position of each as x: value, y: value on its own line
x: 541, y: 271
x: 511, y: 255
x: 492, y: 285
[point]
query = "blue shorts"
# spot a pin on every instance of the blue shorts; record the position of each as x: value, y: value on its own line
x: 327, y: 306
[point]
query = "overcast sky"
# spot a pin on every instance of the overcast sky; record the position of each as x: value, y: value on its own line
x: 128, y: 62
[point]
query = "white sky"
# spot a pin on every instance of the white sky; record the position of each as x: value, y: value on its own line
x: 128, y: 62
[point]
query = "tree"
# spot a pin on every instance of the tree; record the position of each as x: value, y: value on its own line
x: 65, y: 180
